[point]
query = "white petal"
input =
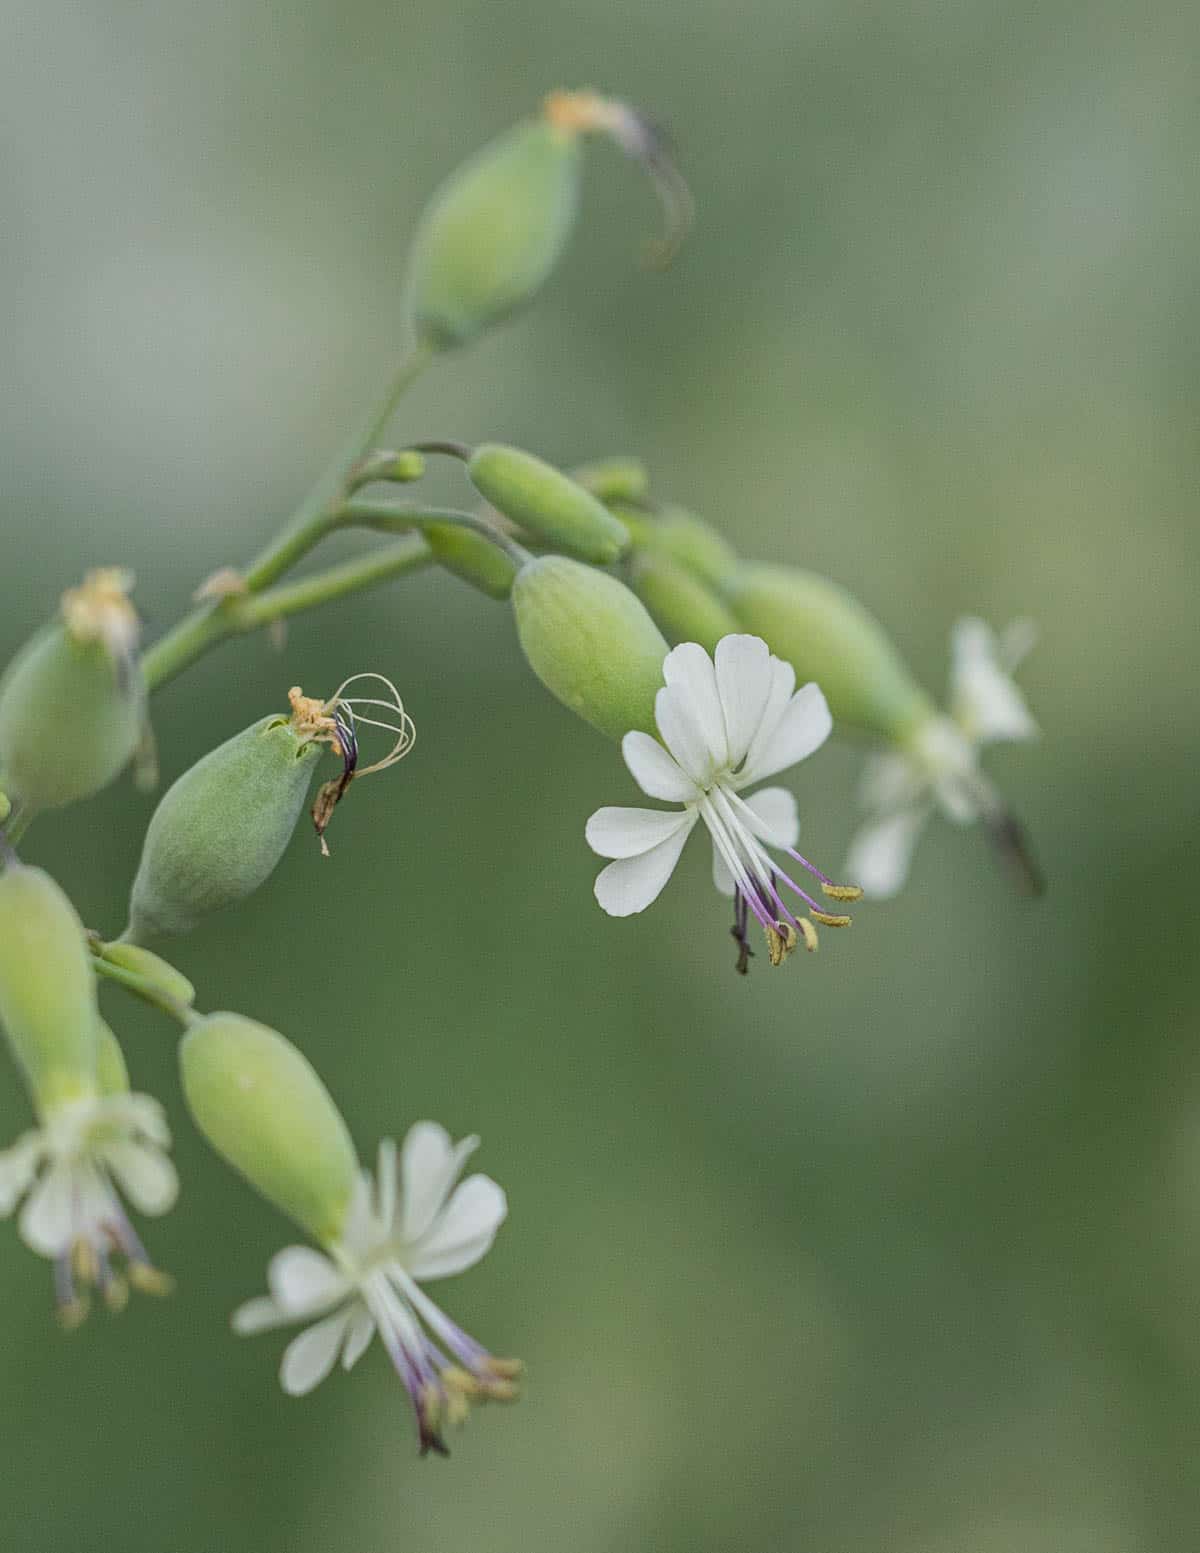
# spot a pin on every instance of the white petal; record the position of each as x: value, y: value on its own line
x: 387, y: 1182
x: 722, y: 875
x: 891, y: 781
x: 463, y: 1233
x: 683, y: 735
x: 775, y: 818
x: 259, y: 1315
x: 302, y: 1281
x: 631, y: 883
x: 985, y: 700
x: 881, y: 853
x: 431, y: 1163
x: 18, y: 1166
x: 654, y: 770
x: 47, y: 1220
x: 783, y: 683
x: 743, y: 665
x: 630, y: 832
x: 689, y: 672
x: 308, y: 1359
x: 146, y: 1176
x: 805, y: 725
x: 358, y: 1336
x: 1017, y: 641
x: 138, y: 1113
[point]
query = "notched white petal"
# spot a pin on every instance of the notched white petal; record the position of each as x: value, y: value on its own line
x: 146, y: 1176
x: 775, y: 816
x: 683, y: 735
x: 881, y: 853
x: 655, y: 771
x: 743, y: 668
x: 623, y: 832
x: 464, y: 1232
x: 632, y: 883
x: 258, y: 1315
x: 302, y: 1280
x: 359, y: 1332
x: 803, y: 727
x: 430, y: 1165
x: 308, y: 1359
x: 688, y: 671
x: 47, y: 1219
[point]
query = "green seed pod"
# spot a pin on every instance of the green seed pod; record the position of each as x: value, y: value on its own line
x: 153, y: 969
x: 221, y: 828
x: 472, y: 557
x: 544, y: 501
x: 111, y: 1073
x: 493, y: 232
x: 261, y: 1105
x: 614, y: 479
x: 590, y: 642
x: 828, y: 636
x: 72, y: 702
x: 686, y: 608
x: 47, y: 988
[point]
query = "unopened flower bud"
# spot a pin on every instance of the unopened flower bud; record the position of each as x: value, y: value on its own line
x: 47, y: 988
x: 220, y: 830
x: 614, y: 479
x: 590, y: 642
x: 495, y: 230
x: 547, y: 503
x: 261, y: 1105
x: 153, y: 970
x: 472, y: 557
x: 691, y: 542
x: 828, y: 636
x: 72, y: 703
x: 684, y: 606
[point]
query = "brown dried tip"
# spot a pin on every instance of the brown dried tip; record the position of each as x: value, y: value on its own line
x: 640, y: 137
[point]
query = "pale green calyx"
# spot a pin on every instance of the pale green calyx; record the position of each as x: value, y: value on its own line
x: 47, y: 989
x: 591, y: 643
x: 72, y: 702
x: 547, y: 503
x: 261, y: 1105
x: 827, y: 635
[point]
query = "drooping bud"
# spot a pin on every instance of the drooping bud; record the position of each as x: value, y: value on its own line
x: 590, y: 642
x: 614, y: 479
x: 472, y: 557
x: 828, y: 636
x: 684, y: 606
x: 72, y: 703
x: 47, y: 989
x: 495, y: 230
x: 261, y: 1105
x: 547, y: 503
x: 220, y: 830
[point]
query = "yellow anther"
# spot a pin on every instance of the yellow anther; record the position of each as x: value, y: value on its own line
x: 827, y: 920
x: 149, y: 1280
x: 85, y: 1264
x: 505, y: 1369
x: 842, y: 892
x: 116, y: 1295
x: 73, y: 1313
x: 781, y: 940
x: 809, y: 933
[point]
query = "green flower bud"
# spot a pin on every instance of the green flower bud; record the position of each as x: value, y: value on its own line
x: 493, y: 232
x: 614, y: 479
x: 221, y: 828
x: 590, y: 642
x: 543, y: 500
x: 152, y: 969
x: 472, y: 557
x: 72, y: 702
x: 688, y: 540
x: 261, y: 1105
x: 828, y: 636
x: 47, y: 988
x: 111, y: 1073
x: 685, y: 607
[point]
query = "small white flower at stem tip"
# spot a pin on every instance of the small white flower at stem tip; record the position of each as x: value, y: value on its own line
x: 68, y: 1172
x: 724, y: 723
x: 409, y: 1225
x: 939, y: 767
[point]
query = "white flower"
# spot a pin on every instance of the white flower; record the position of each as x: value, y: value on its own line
x: 410, y: 1225
x: 726, y: 722
x: 68, y: 1172
x: 939, y: 767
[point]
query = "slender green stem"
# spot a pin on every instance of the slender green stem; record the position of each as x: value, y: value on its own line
x: 141, y: 988
x: 366, y: 571
x: 311, y: 521
x: 401, y: 517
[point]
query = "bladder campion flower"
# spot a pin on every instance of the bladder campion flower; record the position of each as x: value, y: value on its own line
x: 726, y: 722
x: 410, y: 1225
x: 936, y: 765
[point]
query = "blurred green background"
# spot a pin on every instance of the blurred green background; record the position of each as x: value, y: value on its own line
x: 899, y: 1250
